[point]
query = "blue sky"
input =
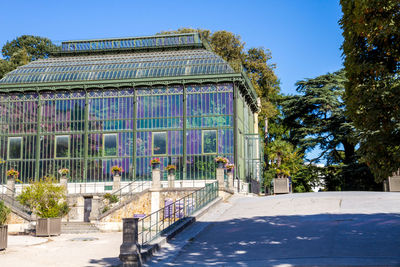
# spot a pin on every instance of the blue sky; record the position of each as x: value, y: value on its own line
x: 303, y: 35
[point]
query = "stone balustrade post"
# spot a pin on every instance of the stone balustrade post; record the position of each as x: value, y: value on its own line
x: 129, y: 250
x: 116, y: 181
x: 230, y: 179
x: 221, y: 178
x: 171, y: 179
x: 64, y: 183
x: 156, y: 177
x: 10, y: 186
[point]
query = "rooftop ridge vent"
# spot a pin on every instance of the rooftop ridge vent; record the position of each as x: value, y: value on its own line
x: 146, y: 42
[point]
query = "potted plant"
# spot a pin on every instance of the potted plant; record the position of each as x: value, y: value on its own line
x: 116, y: 170
x: 171, y: 169
x: 155, y: 163
x: 229, y: 167
x: 221, y: 161
x: 47, y: 200
x: 4, y: 211
x: 63, y: 172
x: 12, y: 174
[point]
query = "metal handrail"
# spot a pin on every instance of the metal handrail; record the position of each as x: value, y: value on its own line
x: 156, y: 223
x: 11, y: 200
x: 123, y: 196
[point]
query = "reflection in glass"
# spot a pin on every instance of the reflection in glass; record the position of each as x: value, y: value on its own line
x: 209, y: 142
x: 62, y: 146
x: 160, y: 143
x: 15, y: 146
x: 110, y: 145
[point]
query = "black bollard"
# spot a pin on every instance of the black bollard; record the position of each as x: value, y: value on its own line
x: 129, y: 250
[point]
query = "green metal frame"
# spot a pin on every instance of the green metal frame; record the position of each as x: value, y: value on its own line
x: 152, y: 143
x: 8, y: 147
x: 104, y: 143
x: 55, y: 146
x: 202, y: 141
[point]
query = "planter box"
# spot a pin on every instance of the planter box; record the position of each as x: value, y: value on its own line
x: 48, y: 226
x: 281, y: 185
x: 394, y: 184
x: 3, y: 236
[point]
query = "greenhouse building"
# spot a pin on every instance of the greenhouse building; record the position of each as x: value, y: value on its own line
x: 99, y: 103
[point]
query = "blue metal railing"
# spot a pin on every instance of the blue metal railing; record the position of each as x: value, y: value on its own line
x: 158, y: 222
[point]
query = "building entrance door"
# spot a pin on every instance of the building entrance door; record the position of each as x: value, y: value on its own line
x: 87, y: 209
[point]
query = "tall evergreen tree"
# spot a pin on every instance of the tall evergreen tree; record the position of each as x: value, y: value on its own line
x: 371, y: 31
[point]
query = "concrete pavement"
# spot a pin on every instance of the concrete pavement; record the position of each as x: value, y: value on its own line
x: 312, y: 229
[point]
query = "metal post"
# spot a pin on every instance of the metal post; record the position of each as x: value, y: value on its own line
x: 38, y: 131
x: 134, y: 132
x: 184, y: 174
x: 85, y: 137
x: 235, y: 132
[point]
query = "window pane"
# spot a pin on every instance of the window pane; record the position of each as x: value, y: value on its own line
x: 210, y: 141
x: 159, y: 143
x: 62, y: 146
x: 15, y: 144
x: 110, y: 145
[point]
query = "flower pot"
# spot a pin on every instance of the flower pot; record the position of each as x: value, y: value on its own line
x: 220, y: 165
x: 115, y: 173
x: 155, y: 165
x: 229, y: 170
x: 3, y: 236
x: 171, y: 172
x: 48, y: 226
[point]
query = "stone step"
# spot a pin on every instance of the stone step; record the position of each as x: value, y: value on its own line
x: 78, y: 228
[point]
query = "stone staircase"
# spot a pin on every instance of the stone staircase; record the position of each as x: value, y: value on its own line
x: 16, y: 207
x: 78, y: 228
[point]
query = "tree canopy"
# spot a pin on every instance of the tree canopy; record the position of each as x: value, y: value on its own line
x: 371, y: 31
x: 22, y: 50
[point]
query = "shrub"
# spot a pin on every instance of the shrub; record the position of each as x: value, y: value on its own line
x: 111, y: 198
x: 45, y: 198
x: 4, y: 211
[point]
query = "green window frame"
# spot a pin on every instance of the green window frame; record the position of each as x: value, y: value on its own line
x: 207, y: 149
x: 156, y: 147
x: 17, y: 152
x: 59, y: 149
x: 107, y: 151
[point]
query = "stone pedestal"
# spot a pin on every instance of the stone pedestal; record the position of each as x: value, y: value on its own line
x: 230, y: 179
x: 116, y: 182
x: 221, y: 178
x: 156, y: 178
x: 64, y: 183
x: 171, y: 180
x: 10, y: 186
x: 129, y: 250
x: 96, y: 204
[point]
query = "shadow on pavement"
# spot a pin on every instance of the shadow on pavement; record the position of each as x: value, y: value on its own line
x: 115, y: 261
x: 322, y: 239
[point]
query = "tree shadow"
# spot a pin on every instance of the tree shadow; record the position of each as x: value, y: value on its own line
x: 110, y: 262
x: 309, y: 240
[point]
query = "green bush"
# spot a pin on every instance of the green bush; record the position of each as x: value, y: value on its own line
x: 111, y: 198
x: 4, y: 211
x: 45, y: 198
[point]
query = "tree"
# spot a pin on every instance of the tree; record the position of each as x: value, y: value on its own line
x: 316, y: 118
x: 24, y: 49
x: 256, y: 62
x: 371, y: 31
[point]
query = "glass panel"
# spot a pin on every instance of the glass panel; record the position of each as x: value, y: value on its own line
x: 210, y: 142
x: 110, y: 145
x: 15, y: 147
x: 62, y: 146
x: 160, y: 143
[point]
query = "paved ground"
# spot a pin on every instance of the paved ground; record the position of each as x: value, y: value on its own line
x: 64, y: 251
x: 317, y: 229
x: 313, y: 229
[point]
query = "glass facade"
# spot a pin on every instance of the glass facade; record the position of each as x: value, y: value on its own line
x: 89, y: 132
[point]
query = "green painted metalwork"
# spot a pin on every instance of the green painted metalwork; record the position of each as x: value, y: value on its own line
x: 38, y: 131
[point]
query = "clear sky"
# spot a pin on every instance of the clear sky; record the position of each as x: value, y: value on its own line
x: 303, y: 35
